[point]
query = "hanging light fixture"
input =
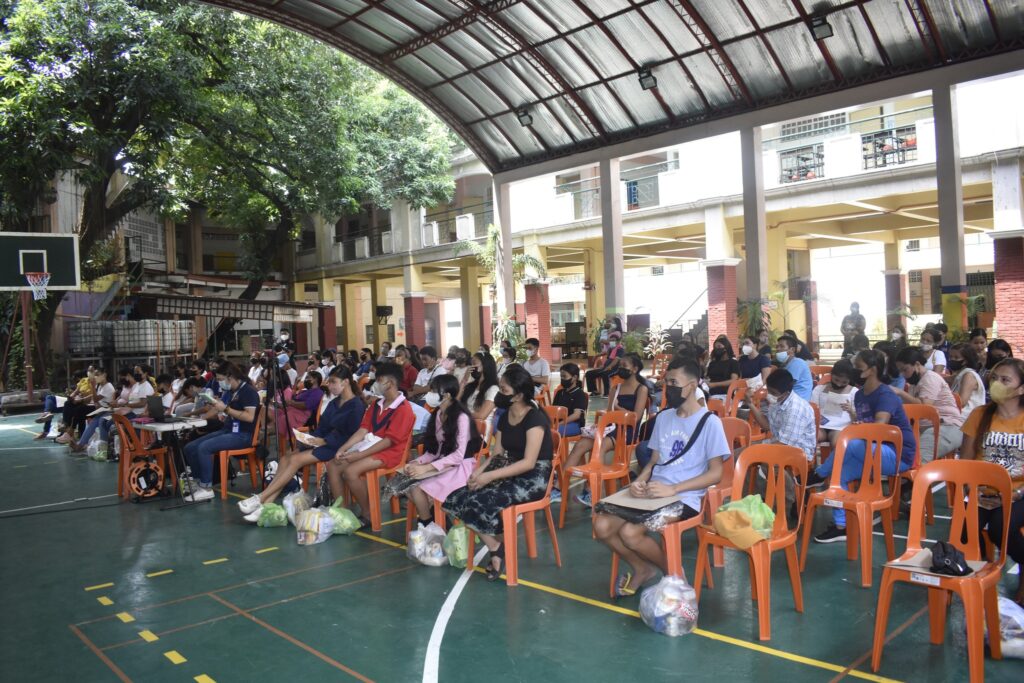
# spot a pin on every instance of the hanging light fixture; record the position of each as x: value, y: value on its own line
x: 524, y: 118
x: 820, y: 28
x: 647, y: 79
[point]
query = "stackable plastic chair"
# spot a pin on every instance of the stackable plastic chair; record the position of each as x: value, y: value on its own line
x: 756, y: 433
x: 247, y: 454
x: 605, y: 478
x: 916, y: 413
x: 737, y: 435
x: 734, y: 396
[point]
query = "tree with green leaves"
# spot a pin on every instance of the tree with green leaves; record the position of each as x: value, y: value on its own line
x: 486, y: 255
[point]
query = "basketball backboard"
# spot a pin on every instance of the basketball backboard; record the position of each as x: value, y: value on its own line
x: 26, y: 252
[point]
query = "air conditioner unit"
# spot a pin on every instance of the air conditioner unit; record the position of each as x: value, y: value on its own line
x: 386, y: 245
x: 465, y: 226
x: 430, y: 234
x: 362, y: 247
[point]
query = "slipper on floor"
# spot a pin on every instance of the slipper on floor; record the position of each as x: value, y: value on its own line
x: 623, y: 587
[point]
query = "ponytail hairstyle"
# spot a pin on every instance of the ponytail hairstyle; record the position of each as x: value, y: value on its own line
x: 345, y: 375
x: 990, y: 408
x: 448, y: 385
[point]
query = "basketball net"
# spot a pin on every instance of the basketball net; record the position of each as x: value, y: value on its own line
x: 37, y: 282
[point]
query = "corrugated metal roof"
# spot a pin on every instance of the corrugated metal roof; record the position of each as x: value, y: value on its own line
x: 573, y: 65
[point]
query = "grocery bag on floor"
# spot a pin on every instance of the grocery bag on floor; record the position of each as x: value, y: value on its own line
x: 294, y: 503
x: 345, y: 521
x: 1011, y: 627
x: 456, y: 546
x: 313, y: 526
x: 426, y: 545
x: 272, y: 514
x: 670, y: 607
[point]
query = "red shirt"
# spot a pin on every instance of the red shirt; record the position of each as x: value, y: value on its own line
x: 394, y: 423
x: 409, y: 375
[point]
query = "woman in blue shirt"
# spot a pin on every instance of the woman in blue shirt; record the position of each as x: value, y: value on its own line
x: 877, y: 403
x: 338, y: 423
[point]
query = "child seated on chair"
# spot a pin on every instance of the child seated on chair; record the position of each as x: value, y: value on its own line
x: 340, y: 421
x: 236, y: 434
x: 687, y: 449
x: 380, y: 441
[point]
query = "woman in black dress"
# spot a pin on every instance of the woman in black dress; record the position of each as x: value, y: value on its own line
x: 517, y: 471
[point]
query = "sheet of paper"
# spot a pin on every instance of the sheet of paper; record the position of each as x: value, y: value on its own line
x: 626, y: 499
x: 304, y: 438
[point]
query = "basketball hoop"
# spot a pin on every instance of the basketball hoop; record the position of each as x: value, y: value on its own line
x: 37, y: 282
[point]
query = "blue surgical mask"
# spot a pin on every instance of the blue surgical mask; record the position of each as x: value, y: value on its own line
x: 224, y: 386
x: 282, y: 359
x: 782, y: 356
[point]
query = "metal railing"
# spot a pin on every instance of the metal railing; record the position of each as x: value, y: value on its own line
x: 890, y: 147
x: 366, y: 243
x: 447, y: 221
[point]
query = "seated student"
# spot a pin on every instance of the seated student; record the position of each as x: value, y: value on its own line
x: 994, y: 432
x: 607, y: 369
x: 450, y: 445
x: 935, y: 358
x: 239, y: 423
x: 256, y: 370
x: 835, y: 401
x: 688, y: 446
x: 147, y: 374
x: 965, y: 381
x: 898, y: 336
x: 179, y: 378
x: 386, y: 351
x: 521, y: 455
x: 133, y: 399
x: 463, y: 359
x: 300, y: 405
x: 185, y: 400
x: 874, y: 402
x: 858, y: 343
x: 507, y: 358
x: 478, y: 394
x: 785, y: 354
x: 75, y: 405
x: 366, y: 359
x: 754, y: 365
x: 431, y: 368
x: 339, y: 422
x: 942, y: 344
x: 536, y: 366
x: 927, y: 387
x: 802, y: 351
x: 198, y: 369
x: 409, y: 371
x: 163, y: 388
x: 327, y: 362
x: 630, y: 395
x: 979, y: 342
x: 998, y: 350
x: 99, y: 393
x: 379, y: 442
x: 571, y: 397
x: 723, y: 368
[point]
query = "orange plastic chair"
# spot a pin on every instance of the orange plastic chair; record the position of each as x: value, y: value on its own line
x: 825, y: 379
x: 916, y: 413
x: 373, y: 487
x: 254, y: 464
x: 362, y: 382
x: 778, y: 460
x: 863, y: 502
x: 818, y: 370
x: 559, y: 416
x: 605, y: 478
x: 737, y: 435
x: 756, y: 433
x: 734, y: 396
x: 978, y: 590
x: 131, y: 448
x: 484, y: 430
x: 716, y: 406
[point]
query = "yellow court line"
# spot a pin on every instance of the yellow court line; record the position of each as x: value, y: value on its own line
x: 105, y: 601
x: 217, y: 561
x: 125, y: 617
x: 99, y: 586
x: 266, y: 550
x: 162, y: 572
x: 385, y: 541
x: 27, y: 431
x: 782, y: 654
x: 175, y: 657
x: 148, y: 636
x: 393, y: 521
x: 203, y: 678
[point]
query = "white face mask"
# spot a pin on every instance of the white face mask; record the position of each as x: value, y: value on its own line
x: 284, y: 336
x: 772, y: 400
x: 531, y: 353
x: 224, y: 386
x: 926, y: 347
x: 432, y: 399
x: 896, y: 336
x: 782, y: 356
x: 612, y: 344
x: 747, y: 349
x: 375, y: 389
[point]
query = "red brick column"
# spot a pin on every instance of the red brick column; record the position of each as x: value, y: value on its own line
x: 1009, y: 266
x: 415, y: 327
x: 722, y: 318
x: 300, y: 335
x: 520, y: 312
x: 485, y: 325
x: 896, y: 295
x: 538, y: 317
x: 328, y: 327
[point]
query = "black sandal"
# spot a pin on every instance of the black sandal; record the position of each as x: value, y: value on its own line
x: 493, y: 574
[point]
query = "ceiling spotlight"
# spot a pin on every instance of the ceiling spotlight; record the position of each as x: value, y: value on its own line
x: 647, y: 79
x: 820, y: 28
x: 524, y: 118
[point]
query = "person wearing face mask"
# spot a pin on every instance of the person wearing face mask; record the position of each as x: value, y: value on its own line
x: 508, y: 357
x: 874, y: 402
x: 478, y: 394
x: 688, y: 449
x: 300, y: 404
x: 517, y: 471
x: 979, y: 341
x: 606, y: 370
x: 852, y: 325
x: 410, y: 372
x: 965, y: 381
x: 537, y: 366
x: 754, y: 365
x: 994, y: 432
x: 723, y: 369
x: 450, y: 445
x: 570, y: 395
x: 898, y: 336
x: 284, y: 339
x: 380, y: 441
x: 339, y: 422
x: 431, y: 369
x: 327, y: 362
x: 255, y: 373
x: 785, y: 355
x: 239, y: 423
x: 934, y: 358
x: 835, y: 401
x: 179, y: 377
x: 998, y: 351
x: 366, y: 359
x: 462, y: 363
x: 928, y: 387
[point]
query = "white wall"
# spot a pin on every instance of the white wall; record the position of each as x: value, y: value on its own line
x: 845, y: 275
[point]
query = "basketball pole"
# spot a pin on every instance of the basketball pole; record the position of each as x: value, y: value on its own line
x: 26, y: 334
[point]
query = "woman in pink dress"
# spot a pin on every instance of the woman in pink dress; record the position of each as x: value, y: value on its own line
x: 450, y: 445
x: 300, y: 404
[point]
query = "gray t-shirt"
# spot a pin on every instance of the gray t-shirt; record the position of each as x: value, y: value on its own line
x: 671, y: 434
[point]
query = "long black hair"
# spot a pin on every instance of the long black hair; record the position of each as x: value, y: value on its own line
x: 448, y: 385
x: 727, y: 352
x: 488, y: 378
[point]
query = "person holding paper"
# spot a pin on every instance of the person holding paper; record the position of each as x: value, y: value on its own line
x: 835, y: 401
x: 754, y: 365
x: 688, y: 446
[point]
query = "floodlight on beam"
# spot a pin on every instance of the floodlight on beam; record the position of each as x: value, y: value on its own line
x: 647, y: 79
x: 525, y: 119
x: 820, y: 28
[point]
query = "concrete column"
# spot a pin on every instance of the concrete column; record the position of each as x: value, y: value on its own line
x: 538, y: 317
x: 1007, y: 196
x: 1008, y: 250
x: 722, y: 317
x: 896, y: 286
x: 611, y: 238
x: 486, y: 335
x: 593, y: 278
x: 951, y: 208
x: 472, y: 336
x: 754, y: 222
x: 406, y: 227
x: 378, y: 297
x: 717, y: 237
x: 352, y: 335
x: 503, y: 276
x: 324, y: 228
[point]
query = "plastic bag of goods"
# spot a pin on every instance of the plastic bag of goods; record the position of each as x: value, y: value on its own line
x: 272, y: 514
x: 456, y: 546
x: 270, y: 471
x: 1011, y: 628
x: 345, y: 521
x: 426, y: 545
x: 313, y: 526
x: 97, y: 449
x: 670, y: 607
x: 295, y: 503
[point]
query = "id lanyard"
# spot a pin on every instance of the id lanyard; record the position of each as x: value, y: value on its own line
x: 236, y: 424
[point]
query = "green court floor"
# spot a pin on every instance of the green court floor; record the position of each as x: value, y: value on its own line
x: 116, y: 591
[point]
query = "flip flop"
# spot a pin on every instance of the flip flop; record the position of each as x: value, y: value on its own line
x: 623, y: 588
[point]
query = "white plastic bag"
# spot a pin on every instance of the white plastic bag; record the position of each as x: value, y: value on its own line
x: 426, y: 545
x: 295, y: 503
x: 1011, y: 628
x: 670, y: 607
x: 313, y: 526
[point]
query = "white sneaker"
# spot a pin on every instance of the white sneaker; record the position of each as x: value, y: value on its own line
x: 200, y: 494
x: 249, y: 504
x: 254, y: 516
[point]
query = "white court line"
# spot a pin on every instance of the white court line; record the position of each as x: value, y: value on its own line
x: 432, y: 663
x: 66, y: 502
x: 33, y: 448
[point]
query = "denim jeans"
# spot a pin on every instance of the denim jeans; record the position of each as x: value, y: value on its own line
x: 570, y: 429
x: 199, y: 453
x: 49, y: 406
x: 643, y: 454
x: 853, y: 468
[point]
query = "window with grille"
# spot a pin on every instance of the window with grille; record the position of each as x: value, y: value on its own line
x: 890, y: 147
x: 657, y: 270
x: 915, y: 276
x: 812, y: 126
x: 913, y: 245
x: 802, y: 163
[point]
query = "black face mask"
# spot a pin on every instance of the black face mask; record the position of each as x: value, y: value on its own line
x: 566, y: 383
x: 955, y: 365
x: 138, y: 378
x: 624, y: 373
x: 503, y: 401
x: 475, y: 373
x: 858, y: 380
x: 308, y: 385
x: 836, y: 388
x: 914, y: 379
x: 674, y: 397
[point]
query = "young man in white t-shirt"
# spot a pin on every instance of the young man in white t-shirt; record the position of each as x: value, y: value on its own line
x: 431, y: 369
x: 538, y: 368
